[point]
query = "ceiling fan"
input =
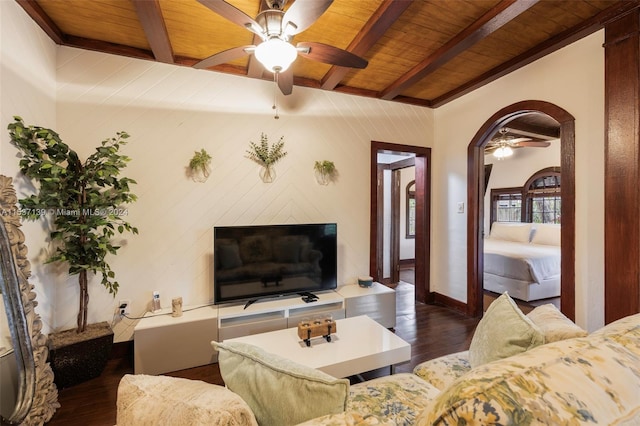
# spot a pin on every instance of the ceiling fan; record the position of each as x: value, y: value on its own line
x: 277, y: 28
x: 503, y: 145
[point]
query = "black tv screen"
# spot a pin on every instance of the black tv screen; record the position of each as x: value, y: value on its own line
x: 253, y: 262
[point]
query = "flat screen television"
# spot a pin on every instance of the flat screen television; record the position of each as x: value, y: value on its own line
x: 260, y: 261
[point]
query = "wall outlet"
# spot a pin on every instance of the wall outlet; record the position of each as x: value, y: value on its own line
x: 124, y: 307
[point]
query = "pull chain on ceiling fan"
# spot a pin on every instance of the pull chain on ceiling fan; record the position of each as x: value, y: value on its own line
x: 277, y: 29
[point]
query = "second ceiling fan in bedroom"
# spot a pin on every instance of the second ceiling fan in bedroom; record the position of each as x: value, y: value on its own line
x: 503, y: 145
x: 276, y: 28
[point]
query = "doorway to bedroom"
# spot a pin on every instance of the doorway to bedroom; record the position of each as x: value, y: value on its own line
x: 476, y: 200
x: 522, y: 212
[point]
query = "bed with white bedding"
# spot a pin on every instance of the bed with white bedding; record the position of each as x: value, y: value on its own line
x: 523, y: 259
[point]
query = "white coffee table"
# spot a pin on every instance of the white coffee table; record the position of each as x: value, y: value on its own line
x: 360, y: 345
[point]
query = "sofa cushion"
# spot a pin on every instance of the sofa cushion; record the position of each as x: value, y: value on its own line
x: 441, y: 372
x: 390, y: 400
x: 279, y: 391
x: 554, y: 324
x: 502, y: 332
x: 586, y: 380
x: 348, y: 418
x: 155, y: 400
x: 398, y: 398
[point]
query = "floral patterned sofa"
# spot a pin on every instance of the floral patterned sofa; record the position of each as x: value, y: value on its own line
x: 592, y: 379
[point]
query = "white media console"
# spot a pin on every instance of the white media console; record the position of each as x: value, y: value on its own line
x: 163, y: 343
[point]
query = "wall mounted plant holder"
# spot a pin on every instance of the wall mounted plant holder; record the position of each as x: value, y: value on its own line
x: 325, y: 172
x: 267, y: 174
x: 266, y: 156
x: 200, y: 166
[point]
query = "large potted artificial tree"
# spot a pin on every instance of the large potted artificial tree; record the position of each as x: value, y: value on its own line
x: 84, y: 202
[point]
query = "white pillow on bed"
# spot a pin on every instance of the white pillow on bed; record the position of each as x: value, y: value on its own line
x: 547, y: 234
x: 511, y: 231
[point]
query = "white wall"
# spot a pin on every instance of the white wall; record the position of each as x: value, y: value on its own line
x: 27, y: 84
x: 572, y: 78
x: 516, y: 170
x: 171, y: 112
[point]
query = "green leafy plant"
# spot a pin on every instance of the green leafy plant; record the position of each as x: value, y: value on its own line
x: 265, y: 155
x: 199, y: 165
x: 84, y: 199
x: 325, y: 171
x: 325, y: 167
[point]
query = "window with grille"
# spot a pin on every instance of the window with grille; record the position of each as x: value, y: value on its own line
x: 538, y: 201
x: 506, y: 205
x: 544, y: 199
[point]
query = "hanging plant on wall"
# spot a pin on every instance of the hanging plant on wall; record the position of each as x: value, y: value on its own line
x: 325, y: 172
x: 266, y: 156
x: 200, y: 166
x: 84, y: 199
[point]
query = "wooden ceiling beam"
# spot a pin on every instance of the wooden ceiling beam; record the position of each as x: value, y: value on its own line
x: 383, y: 18
x: 551, y: 45
x: 490, y: 22
x: 36, y: 13
x: 150, y: 16
x: 107, y: 47
x: 534, y: 131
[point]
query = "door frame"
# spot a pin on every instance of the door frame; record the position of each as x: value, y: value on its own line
x: 423, y: 215
x: 475, y: 200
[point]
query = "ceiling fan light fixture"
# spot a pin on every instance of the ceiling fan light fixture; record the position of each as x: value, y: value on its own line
x: 276, y: 55
x: 502, y: 152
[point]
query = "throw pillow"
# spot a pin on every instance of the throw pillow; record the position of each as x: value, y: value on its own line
x: 511, y: 231
x: 502, y: 332
x: 280, y: 392
x: 547, y: 234
x: 554, y: 324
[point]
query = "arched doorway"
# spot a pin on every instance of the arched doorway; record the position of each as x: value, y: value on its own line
x: 475, y: 192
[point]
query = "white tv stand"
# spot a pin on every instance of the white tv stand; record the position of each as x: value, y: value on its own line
x: 184, y: 342
x: 275, y: 314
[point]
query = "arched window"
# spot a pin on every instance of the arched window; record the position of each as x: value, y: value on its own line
x: 543, y: 196
x: 538, y: 201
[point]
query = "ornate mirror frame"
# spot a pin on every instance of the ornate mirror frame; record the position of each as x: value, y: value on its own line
x: 37, y: 395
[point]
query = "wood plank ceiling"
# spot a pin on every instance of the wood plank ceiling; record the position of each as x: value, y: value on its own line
x: 422, y: 52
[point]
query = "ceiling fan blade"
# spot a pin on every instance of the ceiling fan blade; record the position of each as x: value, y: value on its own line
x: 285, y: 82
x: 536, y: 144
x: 225, y: 56
x: 233, y: 14
x: 302, y: 13
x: 330, y: 55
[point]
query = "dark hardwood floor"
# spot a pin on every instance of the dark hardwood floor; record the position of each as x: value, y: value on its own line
x: 431, y: 330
